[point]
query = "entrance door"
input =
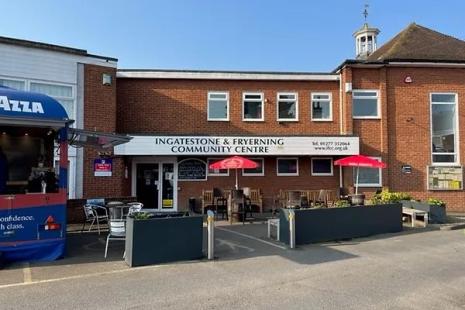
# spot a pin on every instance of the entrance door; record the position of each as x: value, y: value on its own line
x: 147, y: 185
x: 156, y: 185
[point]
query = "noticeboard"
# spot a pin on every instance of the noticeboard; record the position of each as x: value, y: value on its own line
x: 192, y: 169
x: 445, y: 178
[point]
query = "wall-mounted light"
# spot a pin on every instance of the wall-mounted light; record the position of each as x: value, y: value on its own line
x: 106, y: 79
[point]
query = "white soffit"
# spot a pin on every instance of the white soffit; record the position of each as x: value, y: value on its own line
x: 212, y: 75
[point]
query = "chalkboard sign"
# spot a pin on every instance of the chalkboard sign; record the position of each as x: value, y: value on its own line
x: 192, y: 169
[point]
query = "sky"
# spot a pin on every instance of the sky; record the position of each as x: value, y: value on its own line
x: 254, y: 35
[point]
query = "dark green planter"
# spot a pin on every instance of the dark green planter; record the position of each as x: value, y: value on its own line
x: 163, y: 240
x: 328, y: 224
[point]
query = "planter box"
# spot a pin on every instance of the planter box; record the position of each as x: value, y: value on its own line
x: 162, y: 240
x: 436, y: 214
x: 317, y: 225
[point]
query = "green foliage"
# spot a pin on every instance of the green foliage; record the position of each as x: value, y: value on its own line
x: 141, y: 215
x: 436, y: 202
x: 390, y: 197
x: 341, y: 204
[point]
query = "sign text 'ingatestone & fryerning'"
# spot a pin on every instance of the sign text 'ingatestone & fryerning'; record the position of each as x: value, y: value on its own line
x: 232, y: 145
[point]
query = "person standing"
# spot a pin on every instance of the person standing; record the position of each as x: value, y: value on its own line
x: 4, y: 175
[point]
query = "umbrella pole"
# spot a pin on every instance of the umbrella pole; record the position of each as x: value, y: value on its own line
x: 356, y: 182
x: 237, y: 186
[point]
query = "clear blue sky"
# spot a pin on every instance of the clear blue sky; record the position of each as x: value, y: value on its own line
x: 282, y: 35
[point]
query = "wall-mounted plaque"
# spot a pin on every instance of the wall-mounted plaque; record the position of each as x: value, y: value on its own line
x: 445, y: 178
x: 192, y: 169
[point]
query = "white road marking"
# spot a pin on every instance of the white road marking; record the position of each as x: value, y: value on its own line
x: 76, y: 276
x: 27, y: 274
x: 253, y: 238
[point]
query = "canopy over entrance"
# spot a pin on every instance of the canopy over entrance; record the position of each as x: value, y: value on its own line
x: 99, y: 140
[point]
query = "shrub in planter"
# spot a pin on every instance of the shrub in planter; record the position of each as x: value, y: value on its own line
x: 390, y: 197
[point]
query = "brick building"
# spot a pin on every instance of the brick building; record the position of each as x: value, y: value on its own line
x: 398, y: 103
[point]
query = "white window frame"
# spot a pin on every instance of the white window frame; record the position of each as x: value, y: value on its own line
x: 253, y: 100
x: 286, y: 174
x: 296, y: 100
x: 227, y: 106
x: 330, y: 99
x: 211, y: 160
x: 322, y: 174
x: 456, y: 133
x: 380, y: 184
x: 16, y: 80
x: 72, y: 98
x: 378, y: 108
x: 245, y: 173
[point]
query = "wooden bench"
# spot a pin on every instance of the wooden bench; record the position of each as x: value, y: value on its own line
x: 413, y: 213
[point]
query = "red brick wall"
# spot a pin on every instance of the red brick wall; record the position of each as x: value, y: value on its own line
x: 100, y: 115
x: 402, y: 136
x: 180, y: 107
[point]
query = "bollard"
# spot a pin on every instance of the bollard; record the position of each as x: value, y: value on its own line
x: 292, y: 229
x: 211, y: 234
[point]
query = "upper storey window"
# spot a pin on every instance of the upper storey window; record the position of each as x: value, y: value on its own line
x: 287, y: 107
x: 252, y: 107
x: 321, y: 107
x: 444, y: 128
x: 218, y: 106
x: 365, y: 104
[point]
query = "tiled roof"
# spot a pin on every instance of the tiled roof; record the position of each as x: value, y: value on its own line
x: 418, y: 43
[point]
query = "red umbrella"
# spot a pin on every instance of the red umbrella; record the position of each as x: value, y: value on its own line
x: 360, y: 161
x: 234, y: 162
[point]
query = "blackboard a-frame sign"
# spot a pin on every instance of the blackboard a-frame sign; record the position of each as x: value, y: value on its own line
x: 192, y: 169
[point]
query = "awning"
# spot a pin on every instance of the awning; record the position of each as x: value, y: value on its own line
x: 21, y: 108
x: 81, y: 138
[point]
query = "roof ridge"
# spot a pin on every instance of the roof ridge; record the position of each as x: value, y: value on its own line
x: 440, y: 33
x: 398, y: 39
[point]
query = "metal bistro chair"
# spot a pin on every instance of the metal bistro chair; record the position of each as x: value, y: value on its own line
x: 117, y: 232
x: 134, y: 207
x: 94, y: 214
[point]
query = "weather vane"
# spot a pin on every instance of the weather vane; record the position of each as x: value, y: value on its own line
x: 365, y: 12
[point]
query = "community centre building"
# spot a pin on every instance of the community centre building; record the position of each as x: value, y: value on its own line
x: 399, y: 102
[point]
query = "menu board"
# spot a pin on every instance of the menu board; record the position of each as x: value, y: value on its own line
x: 445, y: 178
x: 192, y: 169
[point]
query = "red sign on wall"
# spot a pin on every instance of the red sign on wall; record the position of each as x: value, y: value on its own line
x: 103, y: 167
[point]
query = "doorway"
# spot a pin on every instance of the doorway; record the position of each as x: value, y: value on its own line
x: 155, y: 185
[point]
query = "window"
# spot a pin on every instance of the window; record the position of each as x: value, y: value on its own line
x: 287, y: 166
x: 259, y: 171
x: 368, y: 177
x: 444, y: 128
x: 321, y: 107
x: 16, y: 84
x: 322, y: 166
x: 252, y: 107
x: 365, y: 104
x: 62, y: 93
x: 287, y: 107
x: 218, y: 106
x: 216, y: 172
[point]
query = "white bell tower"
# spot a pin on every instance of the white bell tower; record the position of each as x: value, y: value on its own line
x: 365, y: 38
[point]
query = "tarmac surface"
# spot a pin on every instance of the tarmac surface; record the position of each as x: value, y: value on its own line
x: 416, y: 269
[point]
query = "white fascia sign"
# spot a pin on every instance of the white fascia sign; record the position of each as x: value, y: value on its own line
x: 232, y: 145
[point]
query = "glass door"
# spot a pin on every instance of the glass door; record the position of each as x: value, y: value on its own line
x: 167, y: 191
x: 156, y: 185
x: 147, y: 185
